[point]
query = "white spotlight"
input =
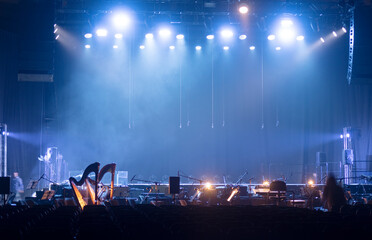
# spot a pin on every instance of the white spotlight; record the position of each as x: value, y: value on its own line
x: 198, y: 48
x: 101, y: 32
x: 242, y: 37
x: 115, y: 46
x: 142, y: 47
x: 243, y: 9
x: 149, y: 36
x: 286, y: 23
x: 210, y: 36
x: 341, y: 136
x: 118, y: 35
x: 172, y: 47
x: 164, y: 32
x: 344, y: 29
x: 300, y: 38
x: 277, y: 48
x: 252, y: 48
x: 286, y: 34
x: 334, y: 34
x: 271, y: 37
x: 121, y: 20
x: 226, y: 48
x: 180, y: 36
x: 88, y: 35
x: 227, y: 33
x: 322, y: 39
x: 347, y: 135
x: 57, y: 36
x: 55, y: 30
x: 87, y: 46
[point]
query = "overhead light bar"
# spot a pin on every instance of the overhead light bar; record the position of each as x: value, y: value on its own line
x: 88, y: 35
x: 101, y: 32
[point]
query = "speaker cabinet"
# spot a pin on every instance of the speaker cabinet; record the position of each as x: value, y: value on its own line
x: 4, y: 185
x: 174, y: 185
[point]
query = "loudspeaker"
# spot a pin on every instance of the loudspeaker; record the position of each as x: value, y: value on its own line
x: 174, y: 185
x: 4, y: 185
x: 321, y: 159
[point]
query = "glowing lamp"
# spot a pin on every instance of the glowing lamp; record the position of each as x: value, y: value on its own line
x: 266, y: 183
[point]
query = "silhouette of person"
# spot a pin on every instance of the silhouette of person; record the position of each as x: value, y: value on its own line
x: 333, y: 195
x: 17, y: 186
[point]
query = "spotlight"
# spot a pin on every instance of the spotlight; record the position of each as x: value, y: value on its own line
x: 300, y: 38
x: 57, y: 36
x: 149, y: 36
x: 142, y: 47
x: 310, y: 182
x: 344, y: 30
x: 5, y: 133
x: 180, y: 36
x: 227, y: 33
x: 172, y: 47
x: 347, y: 135
x: 118, y: 35
x: 210, y: 36
x: 55, y: 30
x: 87, y: 46
x: 286, y: 23
x: 266, y: 183
x: 198, y: 48
x: 226, y: 48
x: 88, y: 35
x: 115, y: 46
x: 322, y: 39
x: 252, y: 48
x: 243, y: 8
x: 271, y: 37
x: 287, y: 35
x: 242, y: 37
x: 165, y: 32
x: 101, y: 32
x: 121, y: 20
x: 341, y: 136
x: 277, y: 48
x: 208, y: 185
x: 334, y: 34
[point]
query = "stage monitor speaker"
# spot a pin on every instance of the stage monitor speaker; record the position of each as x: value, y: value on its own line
x: 174, y: 185
x: 4, y: 185
x: 362, y: 54
x: 321, y: 159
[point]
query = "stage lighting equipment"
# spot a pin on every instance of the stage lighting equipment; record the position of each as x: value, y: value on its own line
x: 172, y: 47
x: 101, y: 32
x: 210, y: 36
x: 277, y: 48
x: 243, y: 8
x: 310, y: 183
x: 344, y: 30
x: 266, y: 183
x: 341, y: 136
x: 87, y: 46
x: 300, y: 38
x: 286, y: 23
x: 142, y: 47
x: 88, y: 35
x: 121, y: 20
x: 227, y: 33
x: 271, y: 37
x: 347, y: 135
x: 252, y: 48
x: 198, y: 48
x: 5, y: 133
x: 286, y: 34
x: 233, y: 193
x: 164, y: 32
x: 334, y: 34
x: 180, y: 36
x: 322, y: 39
x: 226, y: 48
x: 149, y: 36
x: 118, y: 35
x: 55, y: 30
x: 57, y: 36
x: 115, y: 46
x: 242, y: 37
x: 208, y: 185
